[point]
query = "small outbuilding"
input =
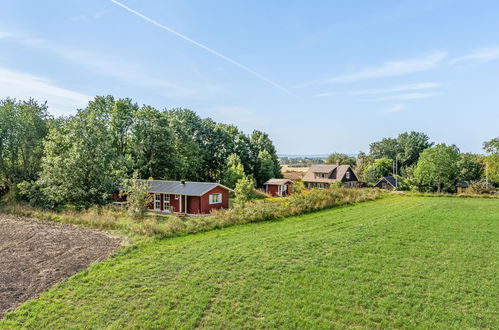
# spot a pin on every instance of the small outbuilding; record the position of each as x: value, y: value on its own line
x: 279, y: 187
x: 387, y: 183
x: 185, y: 197
x: 462, y: 186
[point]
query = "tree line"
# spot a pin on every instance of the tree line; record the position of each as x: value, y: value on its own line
x: 79, y: 159
x: 422, y: 165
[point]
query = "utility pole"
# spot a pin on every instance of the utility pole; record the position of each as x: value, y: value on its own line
x: 487, y: 172
x: 396, y: 173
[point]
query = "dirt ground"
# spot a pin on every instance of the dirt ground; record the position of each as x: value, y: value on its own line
x: 35, y: 255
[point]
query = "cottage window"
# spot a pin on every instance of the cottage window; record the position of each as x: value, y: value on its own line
x: 177, y: 196
x: 166, y: 202
x: 157, y: 201
x: 348, y: 175
x: 215, y: 198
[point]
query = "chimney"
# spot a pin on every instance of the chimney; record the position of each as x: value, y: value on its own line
x: 182, y: 182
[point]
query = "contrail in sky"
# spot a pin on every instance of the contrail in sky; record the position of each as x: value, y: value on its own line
x: 200, y: 45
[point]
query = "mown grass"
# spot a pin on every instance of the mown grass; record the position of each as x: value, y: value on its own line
x: 116, y: 221
x: 398, y: 262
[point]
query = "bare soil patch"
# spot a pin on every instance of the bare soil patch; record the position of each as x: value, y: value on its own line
x: 35, y: 255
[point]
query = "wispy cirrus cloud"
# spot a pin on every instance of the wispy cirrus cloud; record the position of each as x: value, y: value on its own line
x: 395, y: 108
x: 400, y: 88
x: 480, y: 55
x: 387, y: 69
x: 408, y: 96
x: 202, y: 46
x: 88, y: 17
x: 105, y: 65
x: 22, y: 85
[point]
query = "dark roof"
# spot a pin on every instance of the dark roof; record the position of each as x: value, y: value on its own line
x: 462, y: 184
x: 390, y: 179
x: 177, y: 188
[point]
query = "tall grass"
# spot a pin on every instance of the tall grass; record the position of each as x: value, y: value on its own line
x: 163, y: 226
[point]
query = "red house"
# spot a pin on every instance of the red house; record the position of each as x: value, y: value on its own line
x: 187, y: 197
x: 279, y: 187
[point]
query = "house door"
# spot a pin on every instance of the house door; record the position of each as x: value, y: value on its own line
x: 157, y: 202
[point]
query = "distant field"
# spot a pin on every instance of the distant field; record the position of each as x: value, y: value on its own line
x: 397, y: 262
x: 287, y: 168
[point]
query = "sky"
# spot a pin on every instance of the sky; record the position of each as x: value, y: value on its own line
x: 318, y: 77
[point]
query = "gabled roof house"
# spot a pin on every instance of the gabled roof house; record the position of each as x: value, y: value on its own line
x: 279, y: 187
x: 322, y: 176
x: 186, y: 197
x: 387, y: 182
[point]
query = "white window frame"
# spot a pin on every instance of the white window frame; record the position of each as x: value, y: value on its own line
x: 218, y: 198
x: 157, y: 201
x: 347, y: 175
x: 166, y: 201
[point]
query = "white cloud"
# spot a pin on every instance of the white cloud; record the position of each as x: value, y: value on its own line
x: 23, y: 86
x: 409, y: 96
x: 409, y: 87
x: 325, y: 94
x: 387, y: 69
x: 87, y: 18
x: 395, y: 108
x: 4, y: 35
x: 105, y: 65
x: 481, y: 55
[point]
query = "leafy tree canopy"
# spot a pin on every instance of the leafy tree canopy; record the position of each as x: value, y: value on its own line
x: 437, y: 169
x: 343, y: 159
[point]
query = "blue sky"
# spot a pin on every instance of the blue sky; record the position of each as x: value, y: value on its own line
x: 319, y: 77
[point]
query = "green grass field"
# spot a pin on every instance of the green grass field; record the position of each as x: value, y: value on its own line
x: 397, y: 262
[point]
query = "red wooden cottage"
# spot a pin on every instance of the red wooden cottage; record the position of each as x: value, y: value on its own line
x: 279, y: 187
x: 187, y: 197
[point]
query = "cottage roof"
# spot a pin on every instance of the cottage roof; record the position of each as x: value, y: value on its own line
x: 182, y: 188
x: 328, y: 170
x: 390, y: 179
x: 320, y: 168
x: 278, y: 181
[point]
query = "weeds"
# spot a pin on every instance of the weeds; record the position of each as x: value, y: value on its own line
x: 117, y: 220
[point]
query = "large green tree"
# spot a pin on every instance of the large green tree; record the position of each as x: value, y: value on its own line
x: 265, y: 155
x: 379, y: 168
x: 77, y: 167
x: 405, y: 149
x: 437, y: 169
x: 470, y: 167
x: 234, y: 171
x: 343, y: 159
x: 491, y: 162
x: 23, y: 126
x: 150, y: 145
x: 266, y: 167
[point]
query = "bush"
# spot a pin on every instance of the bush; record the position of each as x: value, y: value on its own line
x: 299, y: 203
x: 480, y: 187
x: 137, y: 196
x: 245, y: 190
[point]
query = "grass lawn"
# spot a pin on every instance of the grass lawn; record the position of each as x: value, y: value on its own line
x: 396, y: 262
